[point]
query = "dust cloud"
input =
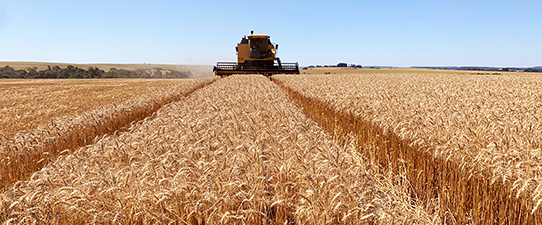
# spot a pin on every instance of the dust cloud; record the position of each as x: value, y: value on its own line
x: 197, y: 71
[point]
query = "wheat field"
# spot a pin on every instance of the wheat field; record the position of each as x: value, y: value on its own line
x: 79, y: 122
x: 236, y: 151
x: 470, y: 142
x: 370, y: 148
x: 27, y: 104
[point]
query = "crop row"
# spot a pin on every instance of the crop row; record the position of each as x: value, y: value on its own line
x: 471, y: 143
x: 236, y: 151
x: 30, y: 150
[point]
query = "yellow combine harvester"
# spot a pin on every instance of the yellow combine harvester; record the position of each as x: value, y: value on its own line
x: 256, y: 55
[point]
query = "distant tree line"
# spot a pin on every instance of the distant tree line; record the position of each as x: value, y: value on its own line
x: 533, y: 70
x: 478, y: 68
x: 56, y: 72
x: 343, y: 65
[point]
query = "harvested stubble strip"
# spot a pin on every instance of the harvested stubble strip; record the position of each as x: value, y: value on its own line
x: 472, y: 143
x: 29, y: 151
x: 236, y: 151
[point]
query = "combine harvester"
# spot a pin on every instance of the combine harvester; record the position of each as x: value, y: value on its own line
x: 256, y: 55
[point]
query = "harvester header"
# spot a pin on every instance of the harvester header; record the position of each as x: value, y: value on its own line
x: 256, y: 55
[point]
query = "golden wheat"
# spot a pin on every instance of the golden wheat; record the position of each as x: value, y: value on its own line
x: 235, y: 152
x: 30, y: 150
x: 468, y: 142
x: 27, y: 104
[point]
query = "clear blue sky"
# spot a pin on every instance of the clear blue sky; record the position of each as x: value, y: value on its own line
x: 366, y: 32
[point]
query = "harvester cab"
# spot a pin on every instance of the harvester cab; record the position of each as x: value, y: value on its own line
x: 256, y: 55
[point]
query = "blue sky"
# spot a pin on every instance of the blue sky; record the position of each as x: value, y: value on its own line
x: 396, y: 33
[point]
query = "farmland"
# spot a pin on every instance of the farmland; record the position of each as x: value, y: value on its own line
x: 472, y: 142
x: 216, y: 157
x: 404, y: 147
x: 26, y: 104
x: 81, y: 117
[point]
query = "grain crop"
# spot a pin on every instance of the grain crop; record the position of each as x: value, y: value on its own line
x: 235, y: 152
x: 30, y: 150
x: 27, y: 104
x: 471, y: 143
